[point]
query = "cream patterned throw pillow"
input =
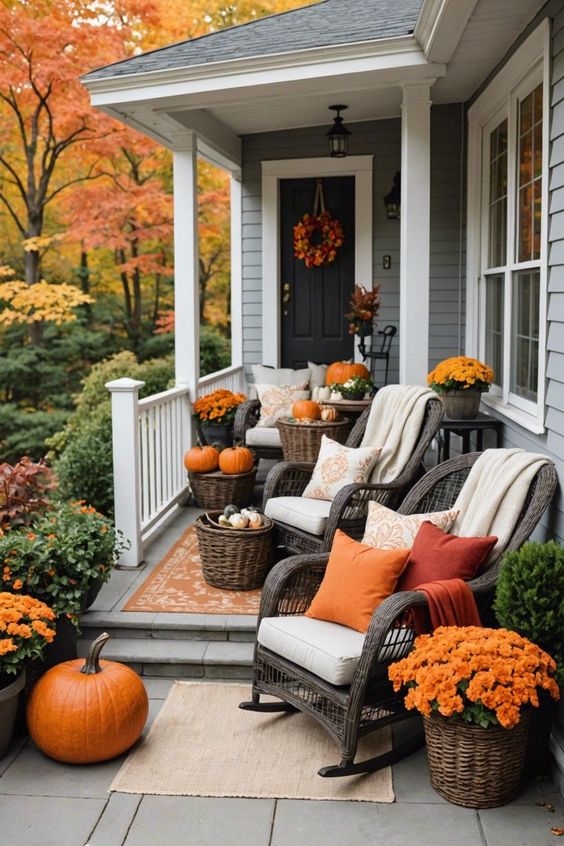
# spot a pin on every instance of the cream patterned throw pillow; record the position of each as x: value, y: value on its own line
x: 337, y: 466
x: 386, y: 529
x: 277, y: 400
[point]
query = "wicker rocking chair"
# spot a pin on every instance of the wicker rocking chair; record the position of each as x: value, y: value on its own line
x: 246, y: 418
x: 348, y: 712
x: 350, y: 507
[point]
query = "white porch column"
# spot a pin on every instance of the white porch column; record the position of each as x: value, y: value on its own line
x: 415, y: 232
x: 125, y: 445
x: 186, y: 265
x: 236, y: 273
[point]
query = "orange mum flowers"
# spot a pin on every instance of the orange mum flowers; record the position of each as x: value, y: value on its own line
x: 460, y: 373
x: 482, y: 676
x: 26, y: 625
x: 219, y: 406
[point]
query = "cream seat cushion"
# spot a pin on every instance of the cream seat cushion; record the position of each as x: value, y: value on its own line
x: 263, y: 436
x: 329, y: 650
x: 307, y: 514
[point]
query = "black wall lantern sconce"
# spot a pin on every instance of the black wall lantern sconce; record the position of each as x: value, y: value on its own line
x: 392, y: 200
x: 338, y: 135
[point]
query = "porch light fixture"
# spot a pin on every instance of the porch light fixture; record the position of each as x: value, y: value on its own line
x: 338, y: 135
x: 392, y: 200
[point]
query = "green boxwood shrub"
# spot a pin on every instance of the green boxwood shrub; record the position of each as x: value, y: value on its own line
x: 530, y: 597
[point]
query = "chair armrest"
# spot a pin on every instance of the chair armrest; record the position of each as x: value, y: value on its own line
x: 291, y: 585
x: 352, y: 503
x: 287, y: 478
x: 246, y: 417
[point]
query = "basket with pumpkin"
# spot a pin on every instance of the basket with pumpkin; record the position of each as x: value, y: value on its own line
x: 301, y: 433
x: 220, y: 477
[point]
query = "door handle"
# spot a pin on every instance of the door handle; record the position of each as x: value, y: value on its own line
x: 286, y: 293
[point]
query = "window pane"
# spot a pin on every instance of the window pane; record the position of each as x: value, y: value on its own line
x: 525, y: 334
x: 494, y: 325
x: 498, y: 196
x: 529, y: 176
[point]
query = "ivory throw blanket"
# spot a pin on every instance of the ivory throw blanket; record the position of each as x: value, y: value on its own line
x: 494, y: 494
x: 394, y: 424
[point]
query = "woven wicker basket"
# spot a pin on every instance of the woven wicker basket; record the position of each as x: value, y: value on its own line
x: 473, y: 766
x: 301, y: 441
x: 213, y: 491
x: 234, y: 559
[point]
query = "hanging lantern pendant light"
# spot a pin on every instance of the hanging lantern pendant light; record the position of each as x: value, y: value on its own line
x: 338, y: 135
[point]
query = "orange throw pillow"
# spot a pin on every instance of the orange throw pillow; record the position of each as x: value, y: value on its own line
x: 357, y: 580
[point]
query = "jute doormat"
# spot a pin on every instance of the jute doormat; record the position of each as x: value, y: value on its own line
x: 176, y: 585
x: 202, y: 744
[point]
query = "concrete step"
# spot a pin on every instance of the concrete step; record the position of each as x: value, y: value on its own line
x: 177, y: 658
x: 147, y: 626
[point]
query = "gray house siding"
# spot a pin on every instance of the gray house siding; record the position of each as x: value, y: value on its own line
x: 382, y: 139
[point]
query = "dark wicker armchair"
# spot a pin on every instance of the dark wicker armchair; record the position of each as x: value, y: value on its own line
x: 350, y: 507
x: 368, y: 703
x: 246, y: 418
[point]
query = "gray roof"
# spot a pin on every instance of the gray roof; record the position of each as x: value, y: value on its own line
x: 324, y: 24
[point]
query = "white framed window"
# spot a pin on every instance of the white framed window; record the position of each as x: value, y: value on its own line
x: 507, y: 223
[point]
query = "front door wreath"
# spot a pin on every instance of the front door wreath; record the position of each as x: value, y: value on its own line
x: 318, y: 236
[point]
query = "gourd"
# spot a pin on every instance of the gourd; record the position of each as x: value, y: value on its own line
x: 340, y: 371
x: 84, y: 712
x: 202, y: 459
x: 239, y: 521
x: 229, y: 510
x: 328, y: 414
x: 306, y: 410
x: 255, y: 520
x: 235, y: 460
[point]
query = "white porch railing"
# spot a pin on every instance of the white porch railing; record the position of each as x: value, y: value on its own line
x: 150, y: 437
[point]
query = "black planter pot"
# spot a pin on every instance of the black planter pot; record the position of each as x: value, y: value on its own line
x: 353, y: 395
x: 537, y: 757
x: 91, y: 594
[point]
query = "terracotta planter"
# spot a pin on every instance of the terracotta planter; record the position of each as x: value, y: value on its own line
x: 9, y: 696
x: 473, y: 766
x: 461, y: 405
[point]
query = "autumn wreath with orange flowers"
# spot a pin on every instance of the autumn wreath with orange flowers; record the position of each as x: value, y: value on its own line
x: 317, y: 239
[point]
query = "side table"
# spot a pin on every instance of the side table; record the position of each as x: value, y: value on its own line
x: 464, y: 429
x: 301, y: 441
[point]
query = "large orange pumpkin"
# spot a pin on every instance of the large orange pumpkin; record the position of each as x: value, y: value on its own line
x: 340, y: 371
x: 202, y: 459
x: 306, y: 409
x: 86, y: 712
x: 235, y: 460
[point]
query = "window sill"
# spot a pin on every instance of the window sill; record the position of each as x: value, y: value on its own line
x: 516, y: 415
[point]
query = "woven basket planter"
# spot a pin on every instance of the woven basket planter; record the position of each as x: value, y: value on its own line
x: 473, y: 766
x: 213, y: 491
x: 234, y: 559
x: 301, y: 441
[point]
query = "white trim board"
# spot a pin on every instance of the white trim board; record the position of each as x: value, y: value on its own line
x: 361, y: 167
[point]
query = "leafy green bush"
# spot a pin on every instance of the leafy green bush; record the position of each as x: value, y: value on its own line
x: 23, y: 431
x: 530, y: 597
x: 215, y: 351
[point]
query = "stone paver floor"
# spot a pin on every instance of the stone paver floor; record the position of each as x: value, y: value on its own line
x: 43, y: 803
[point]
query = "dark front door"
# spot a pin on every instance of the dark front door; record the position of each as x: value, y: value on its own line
x: 314, y: 327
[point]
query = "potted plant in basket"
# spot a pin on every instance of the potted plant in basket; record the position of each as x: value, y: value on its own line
x: 460, y: 381
x: 62, y: 558
x: 474, y: 687
x: 530, y: 600
x: 215, y: 414
x: 354, y: 388
x: 26, y: 626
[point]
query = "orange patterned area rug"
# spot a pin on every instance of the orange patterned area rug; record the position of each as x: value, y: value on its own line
x: 176, y: 585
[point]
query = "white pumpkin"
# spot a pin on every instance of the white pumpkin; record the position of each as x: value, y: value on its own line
x: 255, y: 520
x: 224, y: 521
x: 239, y: 521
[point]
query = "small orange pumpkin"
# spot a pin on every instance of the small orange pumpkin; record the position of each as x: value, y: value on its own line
x: 86, y: 712
x: 306, y: 409
x: 328, y: 413
x: 202, y: 459
x: 340, y: 371
x: 235, y: 460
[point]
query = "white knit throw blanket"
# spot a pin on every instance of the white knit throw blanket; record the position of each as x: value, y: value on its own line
x: 394, y: 424
x: 494, y: 493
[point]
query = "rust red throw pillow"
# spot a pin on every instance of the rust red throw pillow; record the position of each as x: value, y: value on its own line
x: 357, y: 579
x: 436, y: 556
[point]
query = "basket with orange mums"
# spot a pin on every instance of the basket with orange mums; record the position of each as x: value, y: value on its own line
x: 475, y: 687
x: 218, y: 407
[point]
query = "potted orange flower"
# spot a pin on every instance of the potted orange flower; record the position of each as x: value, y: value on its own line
x: 26, y: 626
x: 460, y: 381
x: 474, y: 687
x: 215, y: 414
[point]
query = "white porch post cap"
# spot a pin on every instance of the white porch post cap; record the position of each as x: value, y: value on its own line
x: 124, y: 385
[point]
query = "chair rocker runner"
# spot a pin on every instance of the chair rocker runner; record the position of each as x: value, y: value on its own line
x: 304, y: 525
x: 367, y: 702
